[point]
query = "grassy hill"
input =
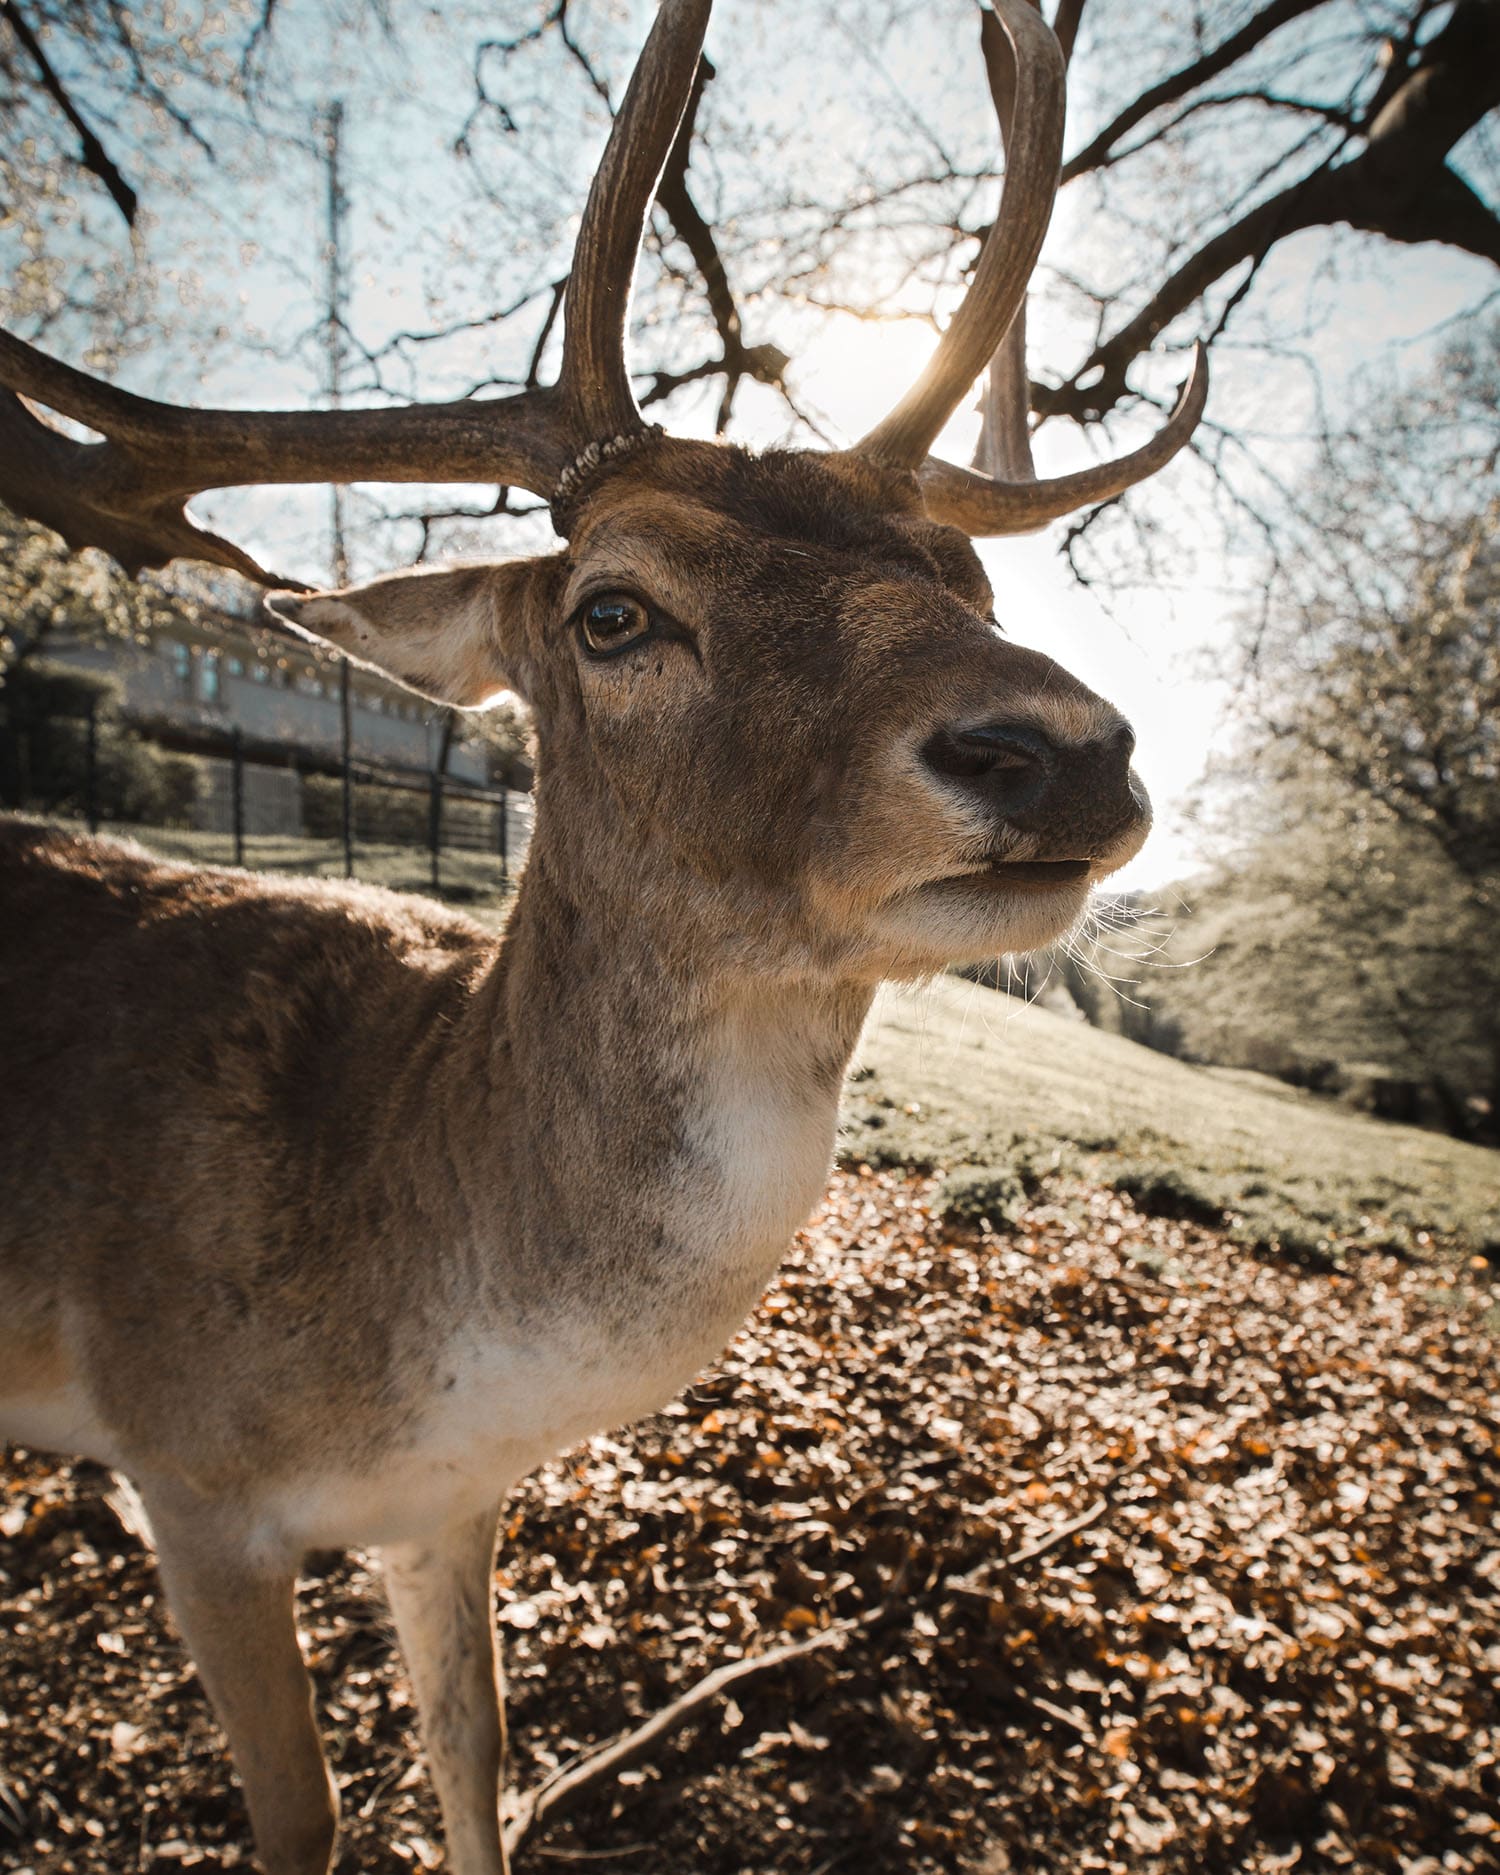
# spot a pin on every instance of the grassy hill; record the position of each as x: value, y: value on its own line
x: 469, y: 879
x: 1000, y: 1097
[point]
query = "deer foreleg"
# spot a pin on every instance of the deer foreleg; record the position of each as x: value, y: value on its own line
x: 236, y: 1615
x: 441, y: 1595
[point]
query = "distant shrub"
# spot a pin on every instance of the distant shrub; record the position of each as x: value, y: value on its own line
x: 38, y: 692
x: 1034, y: 1161
x: 1290, y: 1237
x: 45, y: 709
x: 183, y: 781
x: 394, y: 816
x: 133, y: 779
x: 1390, y: 1239
x: 1172, y: 1191
x: 387, y: 816
x: 980, y: 1196
x: 896, y: 1154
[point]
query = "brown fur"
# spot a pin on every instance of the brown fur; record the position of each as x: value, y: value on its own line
x: 329, y: 1215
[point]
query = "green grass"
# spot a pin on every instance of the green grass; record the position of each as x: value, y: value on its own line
x: 990, y: 1092
x: 468, y: 879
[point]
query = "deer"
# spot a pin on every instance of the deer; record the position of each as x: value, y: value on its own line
x: 330, y: 1214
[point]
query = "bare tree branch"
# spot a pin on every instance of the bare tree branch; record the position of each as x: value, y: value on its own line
x: 94, y: 157
x: 147, y: 86
x: 1399, y: 186
x: 1187, y: 79
x: 260, y: 32
x: 552, y: 1800
x: 766, y: 363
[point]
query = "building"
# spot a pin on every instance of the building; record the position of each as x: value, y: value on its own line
x: 261, y: 711
x: 194, y: 685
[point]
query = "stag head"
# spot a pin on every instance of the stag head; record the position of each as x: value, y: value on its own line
x: 770, y: 692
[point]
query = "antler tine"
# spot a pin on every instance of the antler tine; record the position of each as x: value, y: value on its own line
x: 1002, y: 494
x: 1005, y: 401
x: 979, y: 505
x: 1033, y: 164
x: 127, y: 493
x: 595, y: 380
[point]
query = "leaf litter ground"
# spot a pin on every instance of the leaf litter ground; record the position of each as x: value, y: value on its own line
x: 1135, y: 1553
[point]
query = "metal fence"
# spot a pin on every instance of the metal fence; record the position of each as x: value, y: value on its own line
x: 367, y: 805
x: 252, y: 805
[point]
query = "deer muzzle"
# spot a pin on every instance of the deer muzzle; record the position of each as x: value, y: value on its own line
x: 1076, y: 806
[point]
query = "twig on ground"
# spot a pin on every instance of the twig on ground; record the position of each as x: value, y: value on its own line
x: 1053, y: 1538
x: 1070, y: 1719
x: 971, y: 1584
x: 592, y: 1855
x: 130, y: 1513
x: 563, y: 1790
x: 14, y: 1818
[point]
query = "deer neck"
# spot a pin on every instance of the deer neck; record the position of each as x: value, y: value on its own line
x: 615, y: 1149
x: 670, y: 1118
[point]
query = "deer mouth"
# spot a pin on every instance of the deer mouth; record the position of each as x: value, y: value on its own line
x: 1029, y: 875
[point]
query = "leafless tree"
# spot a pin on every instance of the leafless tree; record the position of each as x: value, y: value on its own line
x: 1207, y: 138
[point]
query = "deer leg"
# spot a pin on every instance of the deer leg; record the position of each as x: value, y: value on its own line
x: 442, y: 1596
x: 236, y: 1615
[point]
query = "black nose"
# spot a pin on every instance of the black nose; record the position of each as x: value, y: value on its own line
x: 1078, y: 798
x: 1004, y: 764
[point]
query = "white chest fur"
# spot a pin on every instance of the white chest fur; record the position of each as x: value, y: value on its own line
x: 756, y: 1139
x: 759, y: 1143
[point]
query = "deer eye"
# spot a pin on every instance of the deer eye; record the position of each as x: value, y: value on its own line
x: 613, y: 623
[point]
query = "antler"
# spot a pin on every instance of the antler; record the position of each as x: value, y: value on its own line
x: 1005, y: 264
x: 127, y: 492
x: 1027, y: 71
x: 594, y: 378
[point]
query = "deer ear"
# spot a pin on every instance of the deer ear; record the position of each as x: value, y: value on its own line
x: 455, y: 634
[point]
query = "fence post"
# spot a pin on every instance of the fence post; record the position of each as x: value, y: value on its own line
x: 435, y: 820
x: 237, y: 791
x: 504, y: 833
x: 91, y: 766
x: 345, y: 741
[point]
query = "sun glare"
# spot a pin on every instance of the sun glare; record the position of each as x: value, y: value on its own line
x: 858, y: 369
